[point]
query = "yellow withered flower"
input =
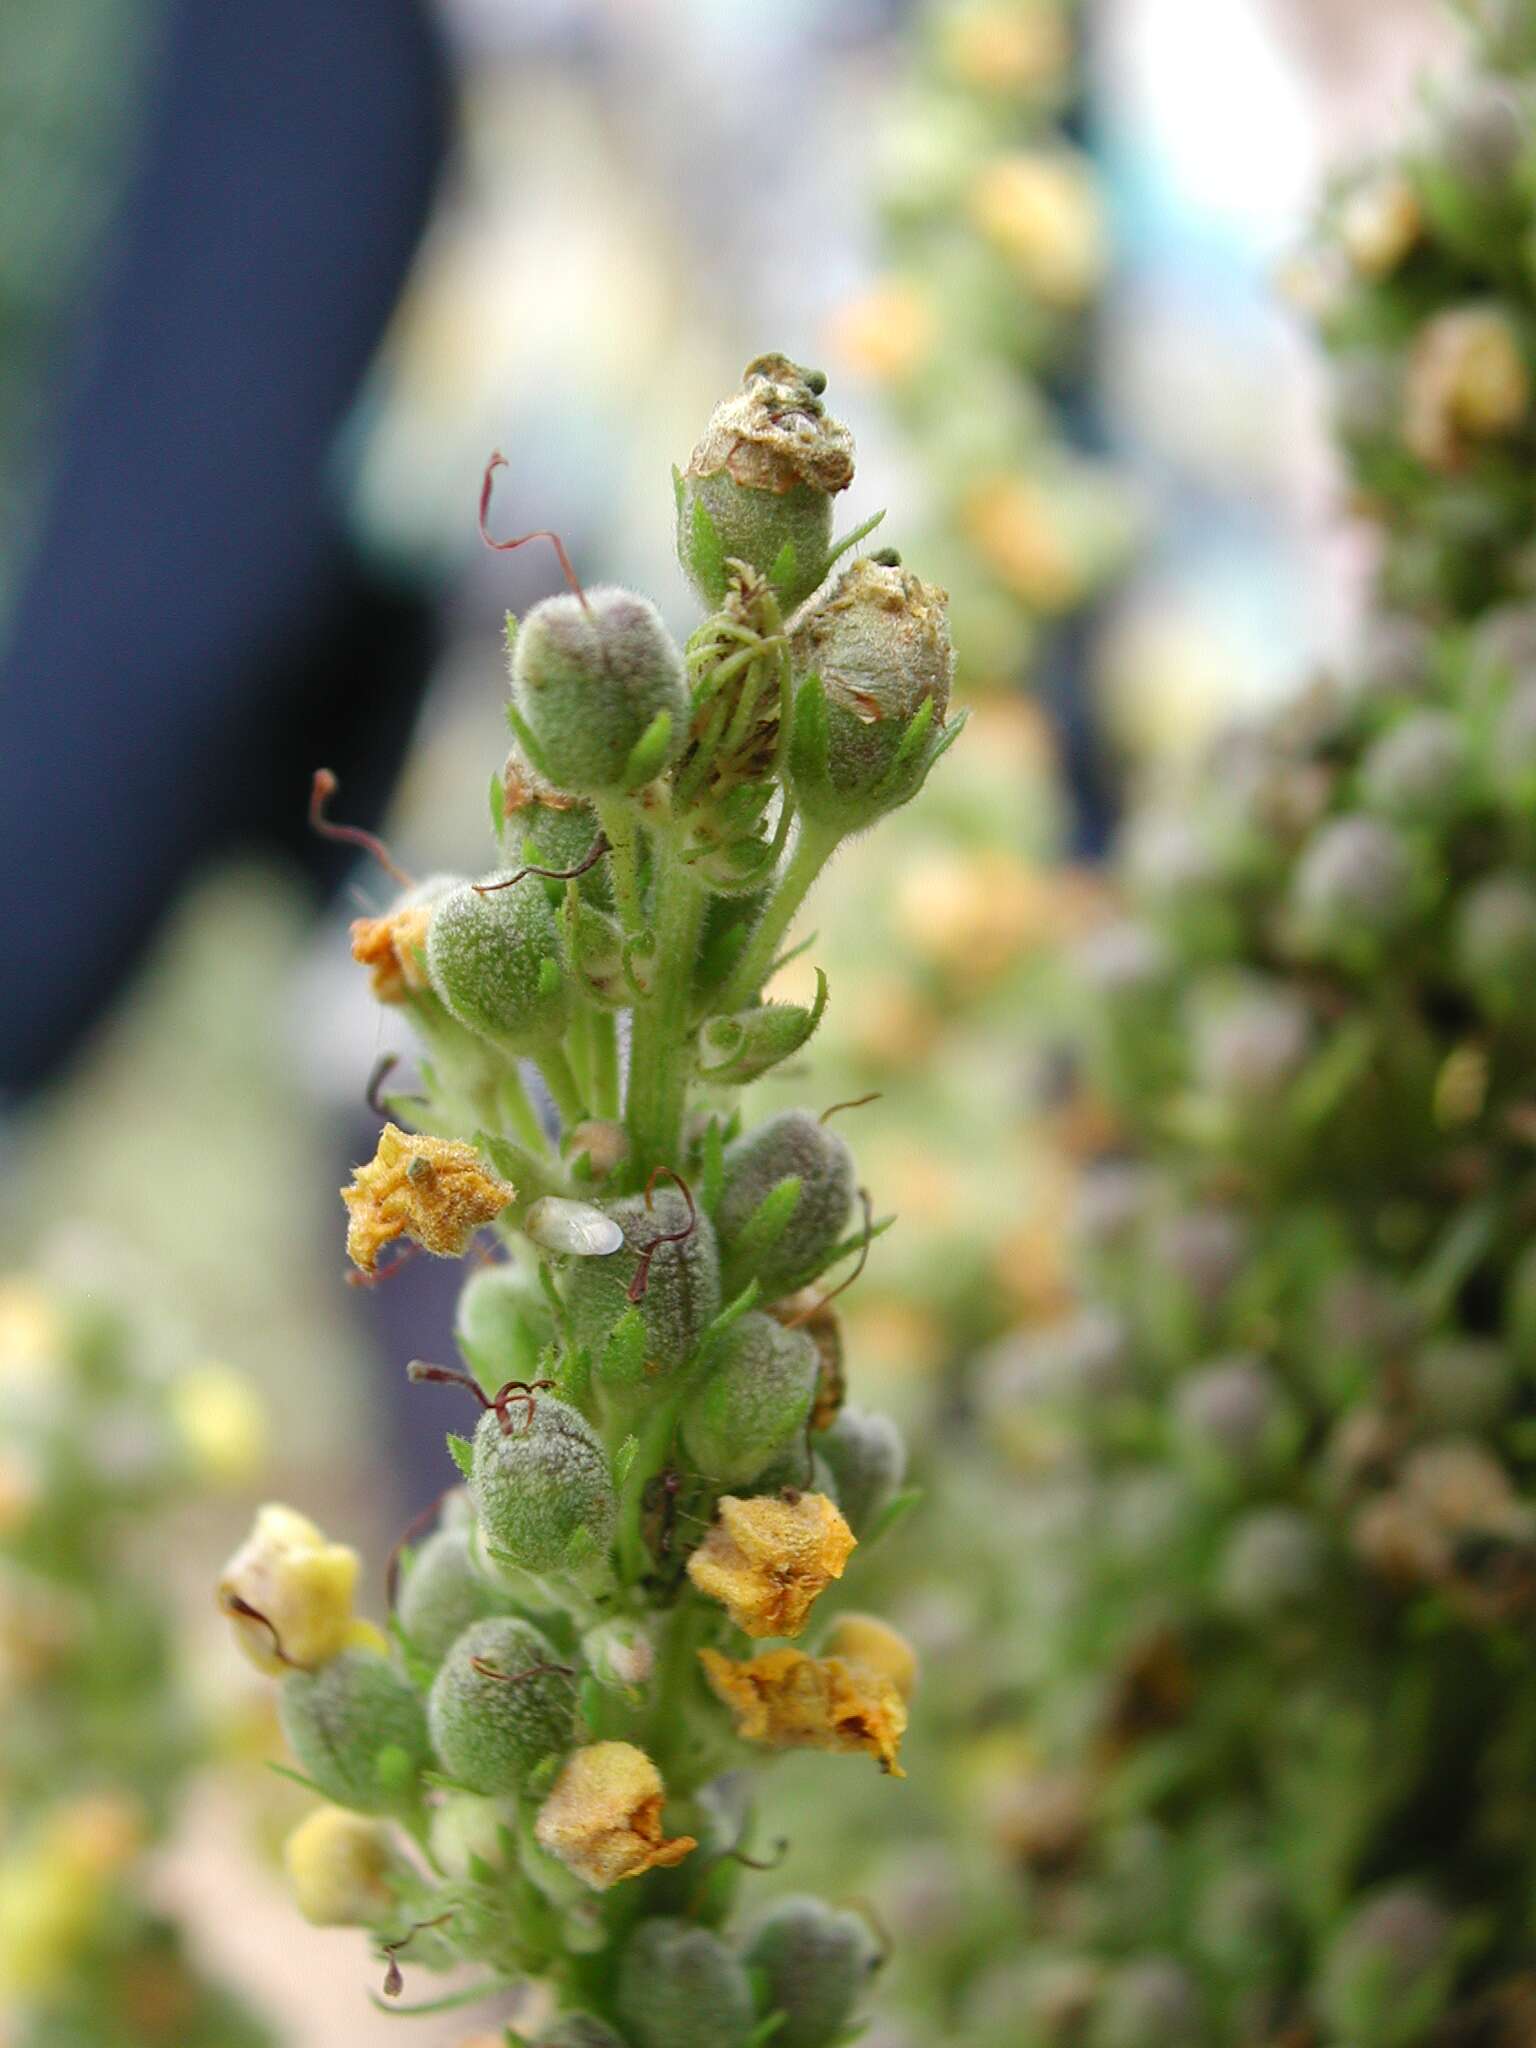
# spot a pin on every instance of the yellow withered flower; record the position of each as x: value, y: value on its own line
x: 434, y: 1190
x: 288, y: 1593
x: 768, y: 1558
x: 603, y: 1818
x: 393, y: 948
x: 852, y: 1698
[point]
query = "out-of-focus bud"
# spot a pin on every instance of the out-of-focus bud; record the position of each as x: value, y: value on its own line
x: 1418, y: 772
x: 1387, y: 1971
x: 1250, y: 1043
x: 1462, y: 1383
x: 873, y: 667
x: 791, y: 1146
x: 759, y: 486
x: 499, y: 1706
x: 495, y: 959
x: 1468, y: 385
x: 343, y: 1869
x: 1232, y: 1413
x: 598, y: 691
x: 1353, y: 890
x: 579, y: 2030
x: 503, y: 1323
x: 357, y: 1730
x: 813, y: 1964
x: 1041, y: 209
x: 1148, y: 2004
x: 1274, y: 1562
x: 868, y: 1459
x: 681, y: 1987
x: 681, y: 1288
x: 619, y: 1653
x: 1379, y: 223
x: 542, y: 1487
x: 756, y: 1400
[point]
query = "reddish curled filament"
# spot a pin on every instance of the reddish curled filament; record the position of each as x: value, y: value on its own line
x: 636, y: 1291
x: 499, y: 461
x: 514, y: 1392
x: 599, y: 848
x: 321, y: 790
x: 814, y: 1308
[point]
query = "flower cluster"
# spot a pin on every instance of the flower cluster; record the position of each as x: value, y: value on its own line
x: 1280, y: 1456
x: 536, y: 1769
x: 97, y: 1732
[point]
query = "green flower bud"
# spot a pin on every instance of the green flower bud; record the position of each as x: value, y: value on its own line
x: 503, y: 1324
x: 1203, y: 1252
x: 1353, y: 889
x: 1418, y: 772
x: 597, y: 952
x: 443, y: 1593
x: 356, y: 1727
x: 619, y: 1653
x: 682, y: 1287
x: 681, y: 1987
x: 813, y: 1963
x: 873, y: 668
x: 579, y: 2030
x: 869, y: 1462
x: 1387, y: 1971
x: 466, y: 1830
x: 788, y: 1246
x: 738, y: 1049
x: 759, y: 486
x: 755, y: 1402
x: 1147, y: 2004
x: 542, y: 1489
x: 1250, y: 1044
x: 1481, y: 134
x: 543, y: 827
x: 495, y: 962
x: 499, y: 1706
x: 1274, y: 1561
x: 593, y: 678
x: 1395, y: 663
x: 1462, y: 1384
x: 1493, y: 942
x: 1233, y: 1412
x: 1514, y: 747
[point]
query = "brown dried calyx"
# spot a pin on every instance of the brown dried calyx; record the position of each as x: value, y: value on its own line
x: 775, y: 433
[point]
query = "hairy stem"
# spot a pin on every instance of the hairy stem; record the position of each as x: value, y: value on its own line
x: 813, y: 849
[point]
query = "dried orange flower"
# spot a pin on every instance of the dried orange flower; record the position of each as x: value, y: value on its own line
x: 432, y: 1189
x: 394, y: 947
x: 603, y: 1818
x: 854, y: 1699
x: 766, y: 1559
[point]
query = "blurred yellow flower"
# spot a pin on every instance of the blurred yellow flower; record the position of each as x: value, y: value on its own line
x: 54, y: 1887
x: 1041, y: 209
x: 1011, y: 524
x: 339, y: 1866
x: 603, y: 1818
x: 1467, y: 382
x: 767, y: 1559
x: 1379, y: 223
x: 434, y: 1190
x: 218, y: 1415
x: 888, y: 332
x: 1006, y: 49
x: 288, y: 1594
x: 31, y: 1331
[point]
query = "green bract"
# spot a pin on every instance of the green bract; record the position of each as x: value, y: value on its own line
x: 500, y: 1704
x: 541, y: 1486
x: 357, y: 1728
x: 592, y: 678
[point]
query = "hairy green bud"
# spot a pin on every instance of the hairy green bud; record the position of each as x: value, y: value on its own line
x: 579, y: 2030
x: 681, y: 1987
x: 869, y: 1462
x: 494, y: 958
x: 542, y: 1487
x: 1353, y: 889
x: 592, y: 678
x: 757, y: 1399
x: 443, y: 1593
x: 873, y: 667
x: 735, y: 1050
x: 356, y: 1727
x: 1418, y: 772
x: 789, y: 1146
x: 543, y: 827
x: 681, y: 1288
x: 813, y: 1962
x: 1493, y: 942
x: 759, y: 486
x: 499, y: 1706
x: 503, y: 1324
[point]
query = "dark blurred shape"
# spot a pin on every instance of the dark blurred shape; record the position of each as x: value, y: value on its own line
x: 196, y: 631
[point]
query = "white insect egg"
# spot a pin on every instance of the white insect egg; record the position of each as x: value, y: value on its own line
x: 575, y: 1227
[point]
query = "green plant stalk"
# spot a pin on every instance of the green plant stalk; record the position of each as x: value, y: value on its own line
x: 814, y: 847
x: 659, y: 1058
